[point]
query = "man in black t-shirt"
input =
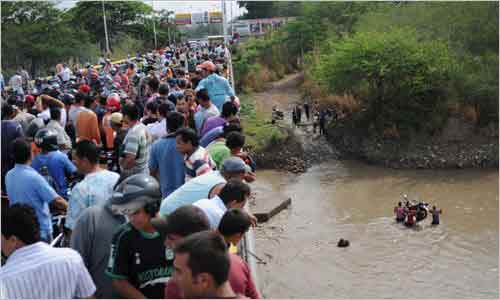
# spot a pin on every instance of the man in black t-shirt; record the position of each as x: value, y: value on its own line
x: 137, y: 264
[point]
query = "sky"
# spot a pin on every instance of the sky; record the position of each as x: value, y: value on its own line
x: 178, y: 6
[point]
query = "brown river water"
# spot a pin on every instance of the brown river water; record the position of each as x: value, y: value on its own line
x: 354, y: 201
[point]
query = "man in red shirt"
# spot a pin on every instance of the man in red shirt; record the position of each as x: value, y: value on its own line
x: 185, y: 221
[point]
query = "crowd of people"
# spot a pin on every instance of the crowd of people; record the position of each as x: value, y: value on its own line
x: 145, y: 162
x: 410, y: 213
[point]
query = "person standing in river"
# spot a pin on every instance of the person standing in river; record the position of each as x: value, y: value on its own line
x: 435, y: 215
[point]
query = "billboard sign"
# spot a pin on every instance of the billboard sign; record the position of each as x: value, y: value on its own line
x: 183, y: 19
x: 199, y: 18
x: 215, y: 17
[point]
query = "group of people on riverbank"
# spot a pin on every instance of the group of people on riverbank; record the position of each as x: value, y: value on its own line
x: 145, y: 160
x: 409, y: 213
x: 320, y: 117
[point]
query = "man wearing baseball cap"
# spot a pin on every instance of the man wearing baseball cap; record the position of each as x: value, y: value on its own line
x: 217, y: 86
x: 116, y: 123
x: 206, y: 186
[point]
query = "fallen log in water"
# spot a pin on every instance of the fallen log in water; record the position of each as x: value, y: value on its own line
x: 264, y: 217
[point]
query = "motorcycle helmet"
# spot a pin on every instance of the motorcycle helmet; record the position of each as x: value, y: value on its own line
x: 136, y: 192
x: 46, y: 139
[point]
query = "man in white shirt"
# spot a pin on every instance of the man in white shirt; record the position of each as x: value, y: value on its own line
x: 65, y: 73
x: 35, y: 270
x: 233, y: 195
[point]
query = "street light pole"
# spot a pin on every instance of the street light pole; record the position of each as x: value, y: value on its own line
x: 105, y: 27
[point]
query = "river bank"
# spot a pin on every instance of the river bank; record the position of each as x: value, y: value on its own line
x: 458, y: 145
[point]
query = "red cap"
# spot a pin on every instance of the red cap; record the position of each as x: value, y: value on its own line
x: 84, y: 88
x: 113, y: 102
x: 29, y: 99
x: 207, y: 65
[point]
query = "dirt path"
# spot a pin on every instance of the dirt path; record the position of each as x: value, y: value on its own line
x: 284, y: 94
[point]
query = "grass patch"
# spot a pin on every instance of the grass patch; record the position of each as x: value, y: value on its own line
x: 259, y: 131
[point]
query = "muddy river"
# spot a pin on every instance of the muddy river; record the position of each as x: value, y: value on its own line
x: 354, y: 201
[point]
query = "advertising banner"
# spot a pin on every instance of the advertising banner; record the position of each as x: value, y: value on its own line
x: 215, y: 17
x: 183, y: 19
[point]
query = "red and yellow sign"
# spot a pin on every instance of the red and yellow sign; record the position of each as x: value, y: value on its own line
x: 183, y: 19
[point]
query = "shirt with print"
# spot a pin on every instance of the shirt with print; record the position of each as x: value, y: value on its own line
x: 198, y: 163
x: 217, y: 87
x: 137, y: 142
x: 95, y: 189
x: 139, y: 257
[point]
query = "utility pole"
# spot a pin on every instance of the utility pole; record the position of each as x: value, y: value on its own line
x: 154, y: 22
x: 224, y: 25
x: 105, y: 27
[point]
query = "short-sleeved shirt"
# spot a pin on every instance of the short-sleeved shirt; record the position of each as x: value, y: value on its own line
x: 37, y: 194
x: 157, y: 129
x: 139, y: 257
x: 24, y: 119
x: 211, y: 123
x: 198, y: 163
x: 91, y: 237
x: 211, y: 135
x: 59, y: 167
x: 219, y: 152
x: 213, y: 208
x: 240, y: 280
x: 165, y: 158
x: 218, y: 88
x: 87, y: 127
x: 38, y: 271
x: 137, y: 142
x: 191, y: 191
x: 62, y: 136
x: 73, y: 113
x: 203, y: 114
x: 95, y: 189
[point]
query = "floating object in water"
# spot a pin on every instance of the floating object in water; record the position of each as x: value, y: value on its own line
x: 343, y: 243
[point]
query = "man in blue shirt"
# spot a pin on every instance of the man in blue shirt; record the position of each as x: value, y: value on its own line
x: 24, y: 185
x: 57, y: 163
x: 218, y: 87
x: 165, y: 162
x: 205, y: 186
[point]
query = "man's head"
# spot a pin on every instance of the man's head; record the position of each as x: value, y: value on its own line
x: 8, y: 112
x: 235, y: 141
x: 163, y: 89
x: 201, y: 264
x: 182, y: 222
x: 55, y: 114
x: 152, y: 108
x: 138, y: 198
x: 229, y: 111
x: 181, y: 105
x: 187, y: 140
x: 234, y: 224
x: 207, y: 68
x: 20, y: 227
x: 153, y: 84
x: 86, y: 156
x: 234, y: 168
x: 116, y: 121
x: 175, y: 121
x: 235, y: 193
x: 89, y: 102
x: 130, y: 113
x: 203, y: 99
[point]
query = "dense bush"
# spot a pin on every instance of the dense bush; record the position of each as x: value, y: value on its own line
x: 399, y: 80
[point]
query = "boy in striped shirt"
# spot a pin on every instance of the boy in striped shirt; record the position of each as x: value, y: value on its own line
x: 197, y: 160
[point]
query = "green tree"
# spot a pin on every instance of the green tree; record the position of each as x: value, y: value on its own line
x: 123, y: 17
x: 36, y: 35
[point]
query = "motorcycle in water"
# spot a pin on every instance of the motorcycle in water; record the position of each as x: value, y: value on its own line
x: 421, y: 208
